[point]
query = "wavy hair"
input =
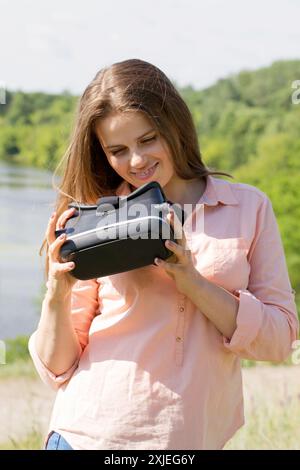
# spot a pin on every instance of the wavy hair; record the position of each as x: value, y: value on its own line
x: 125, y: 86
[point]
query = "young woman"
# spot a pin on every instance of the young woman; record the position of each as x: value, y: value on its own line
x: 150, y: 358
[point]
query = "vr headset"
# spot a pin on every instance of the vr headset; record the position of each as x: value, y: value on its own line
x: 119, y: 233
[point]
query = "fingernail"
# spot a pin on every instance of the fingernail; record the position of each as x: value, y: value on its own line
x: 157, y: 261
x: 53, y: 215
x: 62, y: 235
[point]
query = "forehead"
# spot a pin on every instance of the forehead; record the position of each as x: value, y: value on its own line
x: 127, y: 124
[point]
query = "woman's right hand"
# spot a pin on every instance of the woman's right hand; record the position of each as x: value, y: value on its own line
x: 60, y: 281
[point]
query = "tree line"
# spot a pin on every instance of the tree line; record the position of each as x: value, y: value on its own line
x: 247, y: 125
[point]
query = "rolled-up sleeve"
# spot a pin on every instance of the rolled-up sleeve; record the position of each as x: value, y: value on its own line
x: 84, y: 307
x: 267, y: 323
x: 54, y: 381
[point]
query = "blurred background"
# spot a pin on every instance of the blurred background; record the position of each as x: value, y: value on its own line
x: 236, y: 64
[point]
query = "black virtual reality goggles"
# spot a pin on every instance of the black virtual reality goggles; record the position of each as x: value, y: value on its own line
x: 119, y: 233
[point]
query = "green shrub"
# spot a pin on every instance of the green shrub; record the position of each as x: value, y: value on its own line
x: 17, y: 349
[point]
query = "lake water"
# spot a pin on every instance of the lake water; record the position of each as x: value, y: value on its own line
x: 26, y: 203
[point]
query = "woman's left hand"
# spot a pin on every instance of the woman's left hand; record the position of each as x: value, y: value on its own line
x: 179, y: 266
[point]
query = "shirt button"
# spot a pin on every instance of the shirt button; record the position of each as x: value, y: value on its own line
x: 181, y: 309
x: 178, y: 339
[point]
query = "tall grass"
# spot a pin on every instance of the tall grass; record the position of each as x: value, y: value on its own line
x: 272, y: 409
x: 271, y: 395
x: 18, y: 369
x: 33, y: 441
x: 270, y: 424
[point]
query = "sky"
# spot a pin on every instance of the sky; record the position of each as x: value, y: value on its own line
x: 59, y: 45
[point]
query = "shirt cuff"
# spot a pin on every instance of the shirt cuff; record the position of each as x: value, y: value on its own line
x: 249, y: 319
x: 48, y: 377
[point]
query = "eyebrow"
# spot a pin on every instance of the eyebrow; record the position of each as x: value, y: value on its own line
x: 109, y: 147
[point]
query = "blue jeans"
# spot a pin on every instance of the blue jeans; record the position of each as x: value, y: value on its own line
x: 57, y: 442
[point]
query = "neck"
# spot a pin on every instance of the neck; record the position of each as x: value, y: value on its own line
x: 185, y: 191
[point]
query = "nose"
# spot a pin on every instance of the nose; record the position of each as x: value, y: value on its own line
x: 138, y: 160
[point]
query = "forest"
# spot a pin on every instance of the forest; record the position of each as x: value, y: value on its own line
x: 247, y: 124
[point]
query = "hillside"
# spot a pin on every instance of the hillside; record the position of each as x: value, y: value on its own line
x: 247, y: 126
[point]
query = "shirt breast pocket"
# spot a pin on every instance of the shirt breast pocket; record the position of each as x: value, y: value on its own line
x: 231, y: 266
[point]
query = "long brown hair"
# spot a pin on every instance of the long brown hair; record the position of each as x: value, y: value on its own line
x: 125, y: 86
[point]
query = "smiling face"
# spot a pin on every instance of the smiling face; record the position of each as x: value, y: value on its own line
x: 135, y: 150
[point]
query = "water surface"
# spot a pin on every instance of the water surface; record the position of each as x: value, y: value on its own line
x: 26, y: 202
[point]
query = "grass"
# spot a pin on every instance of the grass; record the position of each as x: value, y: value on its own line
x: 33, y: 441
x: 272, y: 408
x: 22, y: 368
x: 269, y: 425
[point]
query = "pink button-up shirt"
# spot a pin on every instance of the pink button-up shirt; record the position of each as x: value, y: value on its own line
x: 154, y: 372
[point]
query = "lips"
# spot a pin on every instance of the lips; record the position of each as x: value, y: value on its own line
x: 143, y: 175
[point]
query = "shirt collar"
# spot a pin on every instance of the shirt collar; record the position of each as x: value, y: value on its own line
x: 217, y: 190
